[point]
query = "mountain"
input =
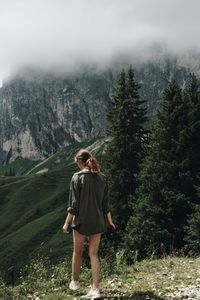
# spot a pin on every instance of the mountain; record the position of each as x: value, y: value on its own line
x: 42, y: 112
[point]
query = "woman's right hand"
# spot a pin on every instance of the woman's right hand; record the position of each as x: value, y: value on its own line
x: 66, y: 228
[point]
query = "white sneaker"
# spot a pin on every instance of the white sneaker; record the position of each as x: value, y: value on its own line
x: 74, y: 285
x: 94, y: 293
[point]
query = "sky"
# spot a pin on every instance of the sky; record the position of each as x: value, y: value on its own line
x: 66, y: 34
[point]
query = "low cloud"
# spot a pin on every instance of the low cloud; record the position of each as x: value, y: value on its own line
x: 65, y: 34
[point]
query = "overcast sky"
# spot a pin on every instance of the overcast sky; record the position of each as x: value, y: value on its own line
x: 66, y: 33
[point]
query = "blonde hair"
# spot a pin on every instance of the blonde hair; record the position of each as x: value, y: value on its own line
x: 87, y: 159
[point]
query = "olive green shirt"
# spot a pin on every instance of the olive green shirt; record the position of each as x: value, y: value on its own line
x: 88, y: 202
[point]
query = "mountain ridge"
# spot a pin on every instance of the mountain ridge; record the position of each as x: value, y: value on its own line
x: 41, y: 113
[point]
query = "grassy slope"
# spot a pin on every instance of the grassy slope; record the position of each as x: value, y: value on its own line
x: 161, y: 279
x: 33, y: 208
x: 20, y: 166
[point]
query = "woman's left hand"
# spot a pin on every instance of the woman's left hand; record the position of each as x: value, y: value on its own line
x: 112, y: 225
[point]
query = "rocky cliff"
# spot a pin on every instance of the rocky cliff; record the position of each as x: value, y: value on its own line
x: 40, y: 112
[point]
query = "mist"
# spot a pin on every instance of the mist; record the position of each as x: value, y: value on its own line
x: 67, y: 34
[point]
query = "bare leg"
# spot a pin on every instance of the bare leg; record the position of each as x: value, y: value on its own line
x: 94, y: 242
x: 77, y: 254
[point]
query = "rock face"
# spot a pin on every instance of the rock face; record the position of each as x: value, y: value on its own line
x: 40, y: 113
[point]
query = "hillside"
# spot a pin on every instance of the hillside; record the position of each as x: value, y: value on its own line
x: 18, y: 167
x: 157, y: 279
x: 33, y: 208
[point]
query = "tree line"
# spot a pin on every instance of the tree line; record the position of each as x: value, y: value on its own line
x: 154, y: 170
x: 10, y: 172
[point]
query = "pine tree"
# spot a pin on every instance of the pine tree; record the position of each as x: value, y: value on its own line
x: 192, y: 231
x: 192, y: 96
x: 162, y: 200
x: 126, y: 130
x: 10, y: 172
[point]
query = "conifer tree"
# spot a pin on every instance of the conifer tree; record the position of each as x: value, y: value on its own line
x: 126, y: 130
x: 10, y: 172
x: 192, y: 96
x: 192, y: 231
x: 162, y: 200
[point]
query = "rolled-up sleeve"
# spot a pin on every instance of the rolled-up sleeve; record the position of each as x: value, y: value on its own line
x: 74, y: 195
x: 105, y: 203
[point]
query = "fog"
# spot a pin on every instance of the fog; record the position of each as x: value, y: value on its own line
x: 66, y: 34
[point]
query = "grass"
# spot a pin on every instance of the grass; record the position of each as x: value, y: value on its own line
x: 20, y: 166
x: 148, y: 279
x: 33, y: 213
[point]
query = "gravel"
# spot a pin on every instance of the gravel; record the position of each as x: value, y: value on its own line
x: 190, y: 293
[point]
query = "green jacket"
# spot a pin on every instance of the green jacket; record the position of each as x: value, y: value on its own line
x: 88, y: 202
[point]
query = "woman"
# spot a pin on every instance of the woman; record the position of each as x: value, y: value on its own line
x: 89, y: 213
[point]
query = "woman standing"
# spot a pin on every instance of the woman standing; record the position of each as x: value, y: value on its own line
x: 89, y: 214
